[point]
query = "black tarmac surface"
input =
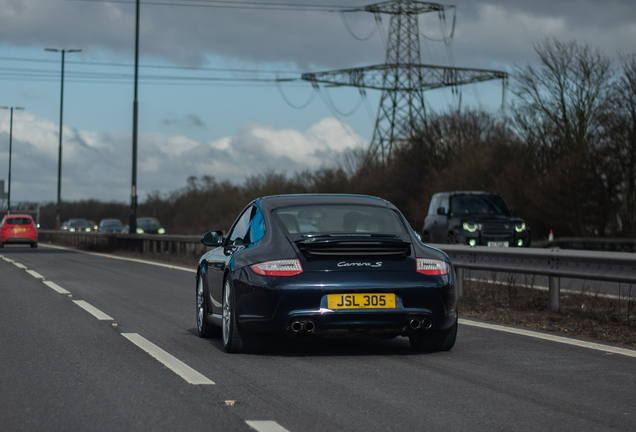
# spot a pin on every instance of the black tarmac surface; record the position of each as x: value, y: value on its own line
x: 62, y: 369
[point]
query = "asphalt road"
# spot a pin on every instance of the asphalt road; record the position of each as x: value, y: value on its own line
x: 62, y: 368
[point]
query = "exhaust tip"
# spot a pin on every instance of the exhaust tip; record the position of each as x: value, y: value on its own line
x: 427, y: 323
x: 297, y: 326
x: 310, y: 326
x: 415, y: 324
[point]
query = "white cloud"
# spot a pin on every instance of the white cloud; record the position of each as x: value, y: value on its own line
x: 98, y: 165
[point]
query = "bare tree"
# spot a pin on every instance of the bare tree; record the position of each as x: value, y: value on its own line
x: 621, y: 132
x: 559, y: 114
x: 561, y: 104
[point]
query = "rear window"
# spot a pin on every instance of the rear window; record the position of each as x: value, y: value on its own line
x: 19, y: 221
x: 330, y: 219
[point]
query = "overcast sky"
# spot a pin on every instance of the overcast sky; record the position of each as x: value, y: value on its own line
x: 189, y: 125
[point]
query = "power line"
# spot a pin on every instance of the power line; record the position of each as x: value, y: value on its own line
x: 76, y: 74
x: 264, y: 3
x: 154, y: 66
x: 239, y: 5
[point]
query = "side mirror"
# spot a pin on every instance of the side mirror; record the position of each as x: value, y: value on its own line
x: 212, y: 238
x: 441, y: 211
x: 513, y: 211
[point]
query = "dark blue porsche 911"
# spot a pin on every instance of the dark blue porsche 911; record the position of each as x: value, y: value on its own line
x: 324, y: 266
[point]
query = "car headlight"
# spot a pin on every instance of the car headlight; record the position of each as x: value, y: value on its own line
x: 140, y: 231
x: 161, y: 231
x: 471, y: 227
x: 520, y: 227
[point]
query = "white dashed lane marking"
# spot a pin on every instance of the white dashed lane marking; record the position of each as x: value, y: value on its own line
x: 35, y: 274
x: 168, y: 360
x: 18, y: 265
x: 92, y: 310
x: 56, y: 287
x: 265, y: 426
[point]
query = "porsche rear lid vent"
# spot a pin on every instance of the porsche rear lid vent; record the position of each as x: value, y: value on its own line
x: 334, y: 247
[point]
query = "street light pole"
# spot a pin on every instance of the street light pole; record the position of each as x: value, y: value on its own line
x: 10, y: 151
x: 133, y: 193
x: 58, y: 216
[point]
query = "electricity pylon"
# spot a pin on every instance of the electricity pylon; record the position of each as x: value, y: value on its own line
x: 402, y: 78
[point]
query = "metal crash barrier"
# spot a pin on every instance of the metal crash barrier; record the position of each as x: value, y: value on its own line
x: 554, y: 263
x: 140, y: 243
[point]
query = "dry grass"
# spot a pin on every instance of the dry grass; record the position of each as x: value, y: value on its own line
x: 588, y: 314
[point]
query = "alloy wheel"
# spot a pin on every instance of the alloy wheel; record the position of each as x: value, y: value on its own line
x: 227, y: 313
x: 200, y: 306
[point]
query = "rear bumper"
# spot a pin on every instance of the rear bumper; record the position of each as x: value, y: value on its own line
x: 274, y: 304
x: 19, y: 240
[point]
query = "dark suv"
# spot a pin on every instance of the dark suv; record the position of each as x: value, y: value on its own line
x: 474, y: 218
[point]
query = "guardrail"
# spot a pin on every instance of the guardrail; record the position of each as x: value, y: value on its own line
x: 142, y: 243
x: 553, y: 263
x: 592, y: 243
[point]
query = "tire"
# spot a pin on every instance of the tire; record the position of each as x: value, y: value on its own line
x: 204, y: 328
x: 34, y: 245
x: 434, y: 340
x: 235, y: 340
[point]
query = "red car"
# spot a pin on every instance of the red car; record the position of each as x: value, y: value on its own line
x: 17, y: 228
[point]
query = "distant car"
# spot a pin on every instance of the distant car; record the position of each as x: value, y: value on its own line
x: 93, y: 225
x: 149, y: 225
x: 111, y: 225
x: 311, y: 266
x: 18, y: 229
x: 77, y: 225
x: 474, y: 219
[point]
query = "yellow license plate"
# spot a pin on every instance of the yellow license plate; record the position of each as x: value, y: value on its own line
x: 361, y: 301
x: 19, y: 229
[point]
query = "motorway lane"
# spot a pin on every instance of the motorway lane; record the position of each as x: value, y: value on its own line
x: 62, y: 369
x: 491, y: 380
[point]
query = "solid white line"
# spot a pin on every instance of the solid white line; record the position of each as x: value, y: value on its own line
x: 18, y: 265
x: 185, y: 269
x: 92, y: 310
x: 55, y: 287
x: 168, y: 360
x: 265, y: 426
x: 549, y: 337
x: 35, y: 274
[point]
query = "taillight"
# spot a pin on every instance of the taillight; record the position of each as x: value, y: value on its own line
x: 432, y: 267
x: 286, y: 267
